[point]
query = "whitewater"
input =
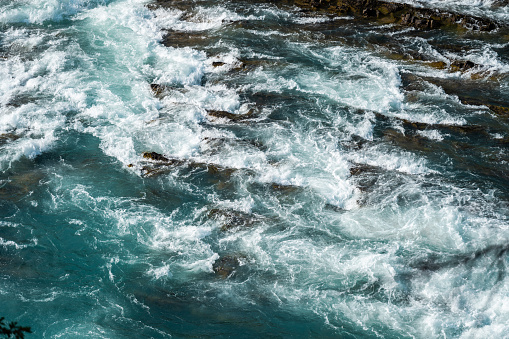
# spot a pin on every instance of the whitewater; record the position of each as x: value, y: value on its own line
x: 249, y: 169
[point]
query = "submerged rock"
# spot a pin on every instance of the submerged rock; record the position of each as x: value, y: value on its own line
x: 359, y: 169
x: 232, y: 219
x: 20, y: 185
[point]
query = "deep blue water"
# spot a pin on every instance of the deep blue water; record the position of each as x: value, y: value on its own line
x: 362, y: 190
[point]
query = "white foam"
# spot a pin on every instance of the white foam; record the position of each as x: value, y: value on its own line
x: 484, y: 8
x: 162, y: 272
x: 203, y: 19
x: 432, y: 134
x: 7, y: 243
x: 34, y: 123
x: 39, y: 11
x: 361, y: 81
x: 391, y: 160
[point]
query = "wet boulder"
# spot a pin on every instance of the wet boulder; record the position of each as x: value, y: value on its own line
x: 230, y: 116
x: 156, y: 89
x: 225, y: 266
x: 462, y: 65
x: 154, y: 156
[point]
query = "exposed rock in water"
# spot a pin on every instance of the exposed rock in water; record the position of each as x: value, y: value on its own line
x: 163, y: 165
x: 285, y: 188
x: 218, y: 63
x: 414, y: 142
x: 157, y: 89
x: 155, y: 156
x: 422, y: 126
x: 222, y: 171
x: 358, y: 169
x: 462, y: 65
x: 231, y: 116
x: 7, y: 137
x: 225, y: 266
x: 184, y: 39
x: 403, y: 14
x: 499, y: 110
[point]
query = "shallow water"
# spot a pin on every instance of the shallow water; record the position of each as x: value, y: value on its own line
x: 324, y: 177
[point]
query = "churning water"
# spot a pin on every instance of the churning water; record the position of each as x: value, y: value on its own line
x: 313, y: 176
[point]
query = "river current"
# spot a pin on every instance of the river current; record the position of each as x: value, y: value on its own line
x: 249, y: 169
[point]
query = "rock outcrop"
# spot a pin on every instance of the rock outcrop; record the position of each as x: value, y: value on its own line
x: 403, y: 14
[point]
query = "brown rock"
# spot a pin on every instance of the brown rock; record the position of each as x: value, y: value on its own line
x: 230, y: 116
x: 155, y: 156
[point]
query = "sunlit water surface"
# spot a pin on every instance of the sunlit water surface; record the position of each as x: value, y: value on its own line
x: 323, y: 213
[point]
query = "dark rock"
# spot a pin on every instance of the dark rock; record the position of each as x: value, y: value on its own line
x: 404, y: 14
x: 221, y: 171
x: 157, y: 89
x: 8, y: 137
x: 414, y: 142
x: 185, y: 39
x: 356, y: 143
x: 218, y: 64
x: 359, y: 169
x: 462, y: 65
x: 163, y: 165
x: 225, y: 266
x: 285, y: 188
x: 499, y: 110
x: 231, y: 116
x: 155, y: 156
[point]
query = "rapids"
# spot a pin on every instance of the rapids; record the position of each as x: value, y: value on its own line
x: 249, y: 169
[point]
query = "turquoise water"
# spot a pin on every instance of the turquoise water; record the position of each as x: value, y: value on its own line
x: 360, y: 194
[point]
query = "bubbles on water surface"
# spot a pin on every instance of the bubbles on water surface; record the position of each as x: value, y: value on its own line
x: 302, y: 207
